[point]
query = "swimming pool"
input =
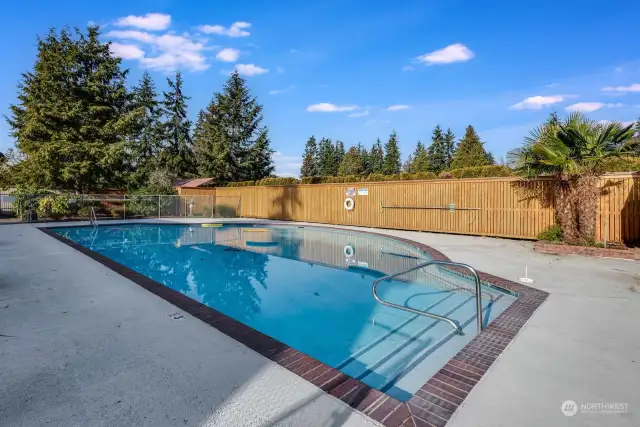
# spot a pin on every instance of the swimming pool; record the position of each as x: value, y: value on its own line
x: 310, y: 288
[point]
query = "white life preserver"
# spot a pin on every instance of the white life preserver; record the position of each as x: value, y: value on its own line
x: 349, y: 251
x: 349, y: 204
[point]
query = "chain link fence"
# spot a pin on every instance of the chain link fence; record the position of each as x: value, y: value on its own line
x: 56, y: 207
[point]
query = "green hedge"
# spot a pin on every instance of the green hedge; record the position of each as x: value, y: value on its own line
x: 241, y: 184
x: 474, y: 172
x: 278, y: 181
x: 374, y: 177
x: 478, y: 172
x: 621, y: 164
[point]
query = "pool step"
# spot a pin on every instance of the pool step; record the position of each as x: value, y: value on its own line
x: 408, y: 331
x: 415, y: 349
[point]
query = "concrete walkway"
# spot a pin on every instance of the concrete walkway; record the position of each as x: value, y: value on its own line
x: 87, y: 347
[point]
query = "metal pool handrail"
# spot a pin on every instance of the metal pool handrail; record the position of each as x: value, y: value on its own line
x: 452, y: 322
x: 93, y: 220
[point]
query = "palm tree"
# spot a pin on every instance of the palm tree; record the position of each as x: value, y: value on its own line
x: 572, y: 151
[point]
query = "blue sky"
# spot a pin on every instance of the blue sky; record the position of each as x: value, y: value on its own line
x: 356, y: 70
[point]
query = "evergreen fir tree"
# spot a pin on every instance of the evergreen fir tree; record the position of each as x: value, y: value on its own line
x: 407, y: 166
x: 71, y: 119
x: 177, y: 153
x: 391, y: 163
x: 449, y: 148
x: 146, y: 139
x: 419, y: 160
x: 326, y: 158
x: 231, y: 143
x: 437, y: 151
x: 377, y: 157
x: 352, y: 163
x: 338, y: 154
x: 470, y: 151
x: 366, y: 159
x: 309, y: 158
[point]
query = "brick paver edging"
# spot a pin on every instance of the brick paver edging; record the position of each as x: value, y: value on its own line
x: 557, y: 249
x: 431, y: 406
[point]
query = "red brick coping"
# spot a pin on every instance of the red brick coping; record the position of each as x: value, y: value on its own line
x: 557, y: 249
x: 431, y: 406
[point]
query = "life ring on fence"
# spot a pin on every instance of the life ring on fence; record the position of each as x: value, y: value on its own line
x: 349, y: 204
x: 349, y: 251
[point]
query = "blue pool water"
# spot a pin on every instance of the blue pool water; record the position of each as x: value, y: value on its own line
x: 310, y: 288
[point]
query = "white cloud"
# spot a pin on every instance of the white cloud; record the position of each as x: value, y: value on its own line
x: 150, y: 21
x: 360, y: 114
x: 228, y: 55
x: 408, y: 68
x: 250, y: 70
x: 281, y: 91
x: 553, y: 85
x: 166, y: 52
x: 618, y: 70
x: 397, y: 107
x: 452, y: 53
x: 631, y: 88
x: 126, y: 51
x: 237, y: 29
x: 585, y: 107
x: 588, y: 107
x: 325, y: 107
x: 286, y: 165
x: 538, y: 102
x: 140, y: 36
x: 279, y: 70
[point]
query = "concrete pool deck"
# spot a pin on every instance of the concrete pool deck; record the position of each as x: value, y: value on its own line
x: 77, y: 352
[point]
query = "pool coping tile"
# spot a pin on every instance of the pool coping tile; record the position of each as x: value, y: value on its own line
x: 431, y: 406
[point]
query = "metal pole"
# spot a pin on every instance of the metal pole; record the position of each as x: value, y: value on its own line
x: 124, y: 205
x: 159, y: 196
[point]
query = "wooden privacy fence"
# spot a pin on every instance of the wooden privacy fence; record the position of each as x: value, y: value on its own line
x: 501, y: 207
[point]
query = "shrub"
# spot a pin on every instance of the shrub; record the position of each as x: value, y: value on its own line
x: 114, y: 211
x: 621, y: 164
x: 425, y: 175
x: 445, y: 175
x: 53, y: 206
x: 277, y: 181
x: 552, y: 233
x: 142, y: 204
x: 82, y: 208
x: 26, y: 197
x: 312, y: 180
x: 241, y: 184
x: 376, y: 177
x: 479, y: 172
x: 84, y: 211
